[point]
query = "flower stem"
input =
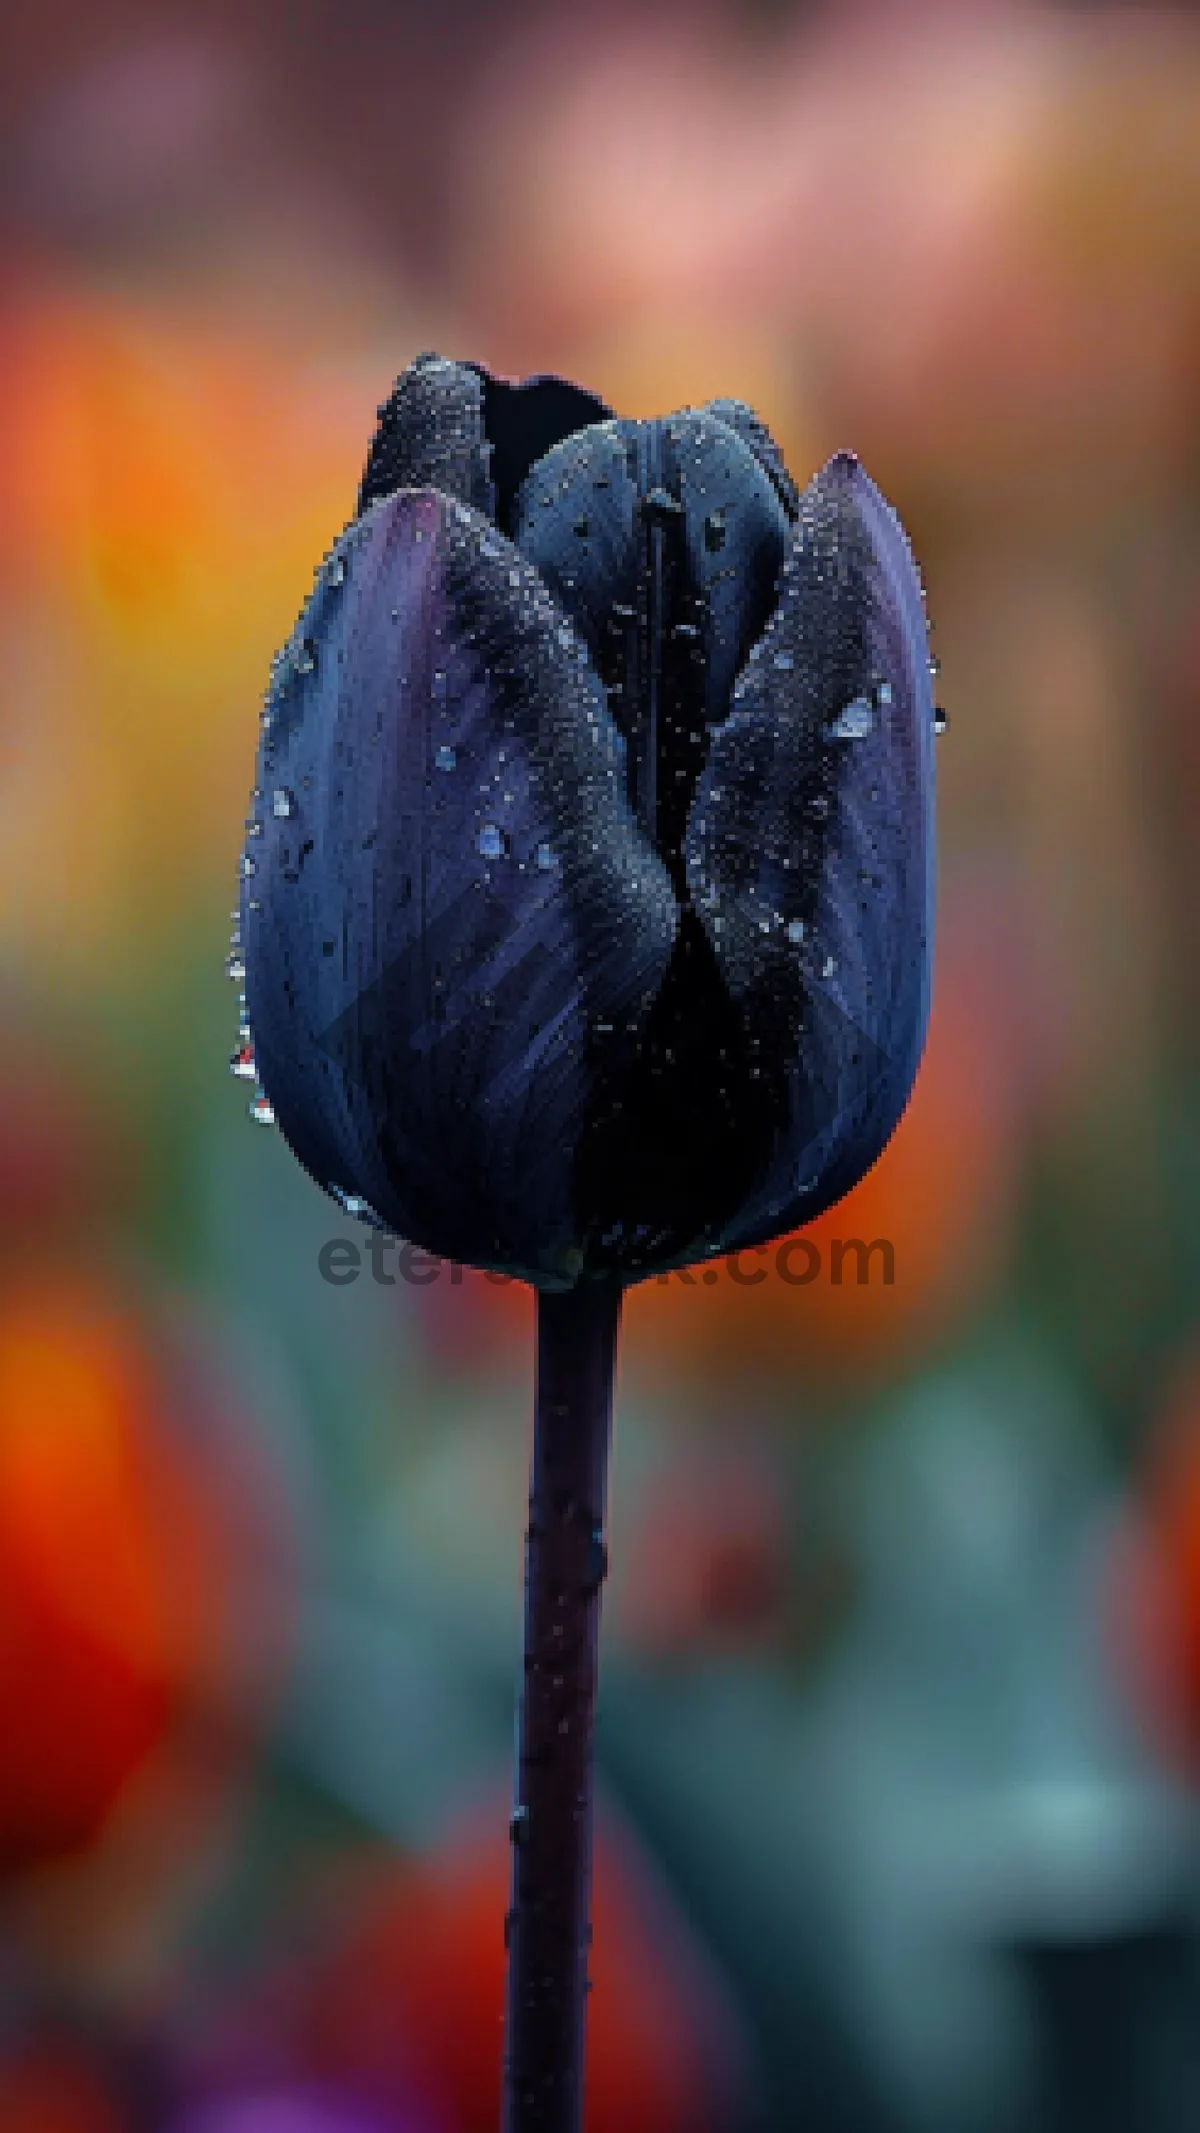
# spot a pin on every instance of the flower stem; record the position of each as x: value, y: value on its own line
x: 547, y: 1930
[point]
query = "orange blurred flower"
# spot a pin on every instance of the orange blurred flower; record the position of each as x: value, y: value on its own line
x: 164, y: 487
x: 121, y: 1563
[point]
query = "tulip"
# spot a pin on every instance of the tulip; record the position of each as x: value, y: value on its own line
x: 585, y: 921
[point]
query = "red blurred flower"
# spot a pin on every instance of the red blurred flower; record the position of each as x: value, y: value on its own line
x: 54, y: 2089
x: 121, y: 1560
x: 1154, y: 1590
x: 407, y: 2008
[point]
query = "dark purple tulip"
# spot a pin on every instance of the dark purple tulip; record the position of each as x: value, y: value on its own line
x: 586, y: 921
x: 587, y: 911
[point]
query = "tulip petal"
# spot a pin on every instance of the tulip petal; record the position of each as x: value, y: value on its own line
x: 810, y: 849
x: 742, y: 420
x: 577, y: 520
x: 458, y: 917
x: 431, y: 434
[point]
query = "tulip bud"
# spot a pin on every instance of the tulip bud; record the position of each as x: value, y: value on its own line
x: 586, y: 914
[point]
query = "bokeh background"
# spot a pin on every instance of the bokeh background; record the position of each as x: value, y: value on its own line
x: 899, y: 1741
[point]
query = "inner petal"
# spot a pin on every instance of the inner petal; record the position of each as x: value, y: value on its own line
x: 663, y: 540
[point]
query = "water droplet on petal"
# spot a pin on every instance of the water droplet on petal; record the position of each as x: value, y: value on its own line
x: 283, y: 803
x: 354, y: 1204
x: 934, y: 663
x: 445, y: 758
x: 795, y: 931
x: 883, y: 694
x: 235, y: 969
x: 854, y: 721
x: 941, y: 719
x: 306, y: 657
x: 714, y: 531
x: 337, y: 571
x: 241, y: 1063
x: 248, y: 866
x: 544, y: 858
x: 828, y: 967
x: 492, y: 841
x: 262, y: 1110
x: 784, y: 661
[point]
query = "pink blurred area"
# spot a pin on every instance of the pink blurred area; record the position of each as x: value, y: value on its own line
x: 965, y: 241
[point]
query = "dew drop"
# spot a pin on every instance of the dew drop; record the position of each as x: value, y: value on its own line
x: 492, y: 841
x: 795, y: 931
x: 283, y: 803
x: 241, y: 1063
x: 262, y: 1111
x: 248, y: 866
x: 828, y: 967
x: 714, y: 531
x: 883, y: 694
x: 306, y: 657
x: 941, y: 719
x: 235, y: 968
x: 445, y: 757
x: 544, y: 858
x: 354, y: 1204
x: 784, y: 661
x: 854, y: 721
x: 337, y: 571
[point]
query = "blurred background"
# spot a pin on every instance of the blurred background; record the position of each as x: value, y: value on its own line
x: 899, y: 1740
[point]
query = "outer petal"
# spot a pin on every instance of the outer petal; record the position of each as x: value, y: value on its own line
x: 810, y: 851
x: 431, y: 432
x: 456, y: 914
